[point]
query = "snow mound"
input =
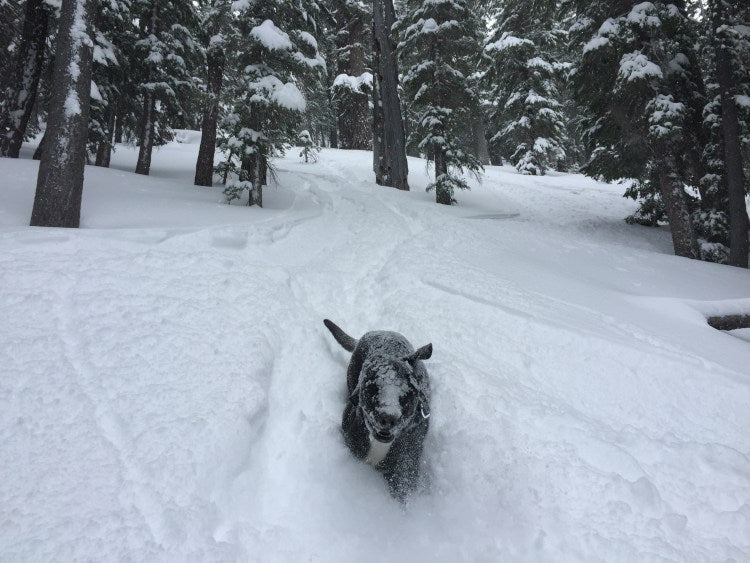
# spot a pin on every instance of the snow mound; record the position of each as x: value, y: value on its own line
x: 169, y: 392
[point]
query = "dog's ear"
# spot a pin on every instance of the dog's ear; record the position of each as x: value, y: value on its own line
x: 423, y: 353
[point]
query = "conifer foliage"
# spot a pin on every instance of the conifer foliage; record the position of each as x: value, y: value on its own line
x: 524, y: 77
x: 273, y: 49
x: 439, y: 48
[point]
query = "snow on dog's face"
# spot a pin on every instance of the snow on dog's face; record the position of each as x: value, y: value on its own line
x: 390, y: 394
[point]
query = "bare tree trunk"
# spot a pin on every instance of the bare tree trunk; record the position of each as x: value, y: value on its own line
x: 21, y: 95
x: 59, y: 188
x: 204, y: 168
x: 386, y: 78
x: 730, y: 128
x: 683, y: 234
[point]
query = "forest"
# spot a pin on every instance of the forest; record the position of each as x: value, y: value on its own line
x: 654, y: 95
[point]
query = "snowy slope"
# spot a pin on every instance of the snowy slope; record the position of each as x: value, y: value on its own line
x: 168, y: 391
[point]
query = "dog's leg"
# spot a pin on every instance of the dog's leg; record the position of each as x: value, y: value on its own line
x: 401, y: 469
x: 355, y: 432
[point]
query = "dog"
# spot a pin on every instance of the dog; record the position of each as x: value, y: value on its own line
x: 387, y: 415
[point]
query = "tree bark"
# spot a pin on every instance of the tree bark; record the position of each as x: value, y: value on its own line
x: 480, y: 141
x: 22, y: 93
x: 204, y: 168
x: 354, y: 129
x: 143, y: 166
x: 57, y: 202
x: 148, y: 119
x: 386, y: 76
x: 442, y: 195
x: 739, y: 246
x: 104, y: 149
x: 683, y: 234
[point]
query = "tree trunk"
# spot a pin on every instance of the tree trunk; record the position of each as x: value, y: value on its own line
x: 40, y: 147
x: 256, y: 167
x: 386, y: 77
x: 148, y: 120
x: 204, y: 169
x: 730, y: 128
x: 21, y: 95
x: 683, y: 234
x: 442, y: 195
x: 480, y: 141
x: 104, y: 149
x: 143, y: 166
x: 59, y: 188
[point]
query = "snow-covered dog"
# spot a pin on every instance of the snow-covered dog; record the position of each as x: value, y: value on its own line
x: 386, y: 417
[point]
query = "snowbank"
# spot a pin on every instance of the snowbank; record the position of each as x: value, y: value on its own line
x: 169, y: 393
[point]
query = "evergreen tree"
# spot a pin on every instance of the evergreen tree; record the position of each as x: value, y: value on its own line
x: 724, y: 21
x: 440, y: 48
x: 114, y: 29
x: 215, y: 19
x: 529, y: 123
x: 20, y: 93
x: 640, y: 83
x: 168, y: 53
x: 274, y: 50
x: 353, y: 81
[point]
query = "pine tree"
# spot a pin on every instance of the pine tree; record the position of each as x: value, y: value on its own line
x: 638, y: 79
x: 215, y: 18
x: 353, y: 82
x: 529, y: 124
x: 440, y: 46
x: 274, y: 50
x: 113, y: 31
x: 723, y: 21
x: 168, y: 52
x: 20, y: 94
x: 57, y: 202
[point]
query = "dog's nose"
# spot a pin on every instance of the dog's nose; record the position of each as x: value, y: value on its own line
x: 386, y: 421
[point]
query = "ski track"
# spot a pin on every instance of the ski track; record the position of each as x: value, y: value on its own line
x: 169, y: 391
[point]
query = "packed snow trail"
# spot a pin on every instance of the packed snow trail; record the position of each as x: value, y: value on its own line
x: 169, y: 391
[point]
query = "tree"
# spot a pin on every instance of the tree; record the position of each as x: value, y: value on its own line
x: 721, y: 17
x: 168, y: 52
x: 57, y: 202
x: 20, y: 94
x: 274, y: 50
x: 353, y: 82
x: 389, y: 142
x: 214, y: 19
x: 638, y: 79
x: 441, y: 46
x: 529, y: 124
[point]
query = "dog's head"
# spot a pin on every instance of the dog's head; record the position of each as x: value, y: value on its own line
x: 391, y: 394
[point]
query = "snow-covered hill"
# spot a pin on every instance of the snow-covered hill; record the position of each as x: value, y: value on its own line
x: 168, y: 391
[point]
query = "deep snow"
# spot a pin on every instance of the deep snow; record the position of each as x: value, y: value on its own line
x: 168, y: 391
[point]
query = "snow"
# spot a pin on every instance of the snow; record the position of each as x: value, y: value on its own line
x: 169, y: 392
x: 285, y: 94
x: 354, y: 83
x: 507, y: 41
x: 271, y: 36
x: 636, y: 66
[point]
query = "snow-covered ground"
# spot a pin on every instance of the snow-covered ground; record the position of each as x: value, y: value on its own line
x: 168, y: 391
